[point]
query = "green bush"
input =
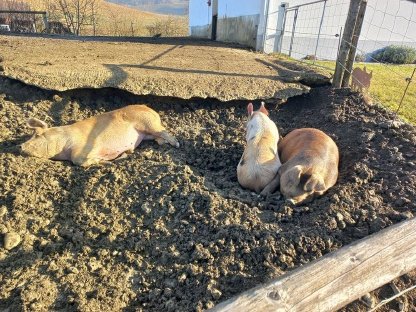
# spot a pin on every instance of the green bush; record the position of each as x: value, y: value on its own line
x: 310, y: 57
x: 360, y: 57
x: 395, y: 55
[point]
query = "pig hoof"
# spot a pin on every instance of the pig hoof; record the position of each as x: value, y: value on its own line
x: 123, y: 156
x: 291, y: 201
x: 160, y: 141
x: 268, y: 190
x: 265, y: 192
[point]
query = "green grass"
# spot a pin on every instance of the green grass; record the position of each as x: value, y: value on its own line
x: 388, y: 85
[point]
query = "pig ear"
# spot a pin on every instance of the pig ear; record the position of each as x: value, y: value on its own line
x: 35, y: 123
x: 293, y: 175
x: 314, y: 183
x: 250, y: 109
x: 263, y: 109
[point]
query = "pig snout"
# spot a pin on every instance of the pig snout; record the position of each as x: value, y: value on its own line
x: 22, y: 149
x: 299, y: 186
x: 35, y: 147
x: 25, y: 148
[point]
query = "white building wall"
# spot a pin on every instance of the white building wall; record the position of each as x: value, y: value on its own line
x: 238, y: 20
x: 200, y: 18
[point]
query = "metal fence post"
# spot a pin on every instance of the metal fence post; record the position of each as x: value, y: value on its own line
x: 281, y: 23
x: 293, y: 31
x: 346, y: 42
x: 339, y: 40
x: 319, y: 32
x: 409, y: 80
x: 266, y: 26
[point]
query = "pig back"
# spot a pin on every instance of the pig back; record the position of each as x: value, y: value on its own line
x: 144, y: 118
x: 108, y: 133
x: 311, y: 148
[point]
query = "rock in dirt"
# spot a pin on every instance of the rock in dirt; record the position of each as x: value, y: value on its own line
x: 369, y: 300
x: 11, y: 240
x: 368, y: 136
x: 215, y: 293
x: 3, y: 211
x: 57, y: 98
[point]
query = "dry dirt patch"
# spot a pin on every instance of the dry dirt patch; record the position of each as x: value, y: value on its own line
x: 177, y: 67
x: 170, y: 229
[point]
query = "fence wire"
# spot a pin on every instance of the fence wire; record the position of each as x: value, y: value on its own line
x: 313, y: 34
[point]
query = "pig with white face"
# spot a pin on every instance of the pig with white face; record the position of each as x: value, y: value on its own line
x: 310, y: 165
x: 260, y: 161
x: 99, y: 138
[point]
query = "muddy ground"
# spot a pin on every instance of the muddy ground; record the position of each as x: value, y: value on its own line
x: 170, y: 229
x: 178, y: 67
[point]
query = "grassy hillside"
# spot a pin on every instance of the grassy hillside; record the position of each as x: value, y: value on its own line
x: 115, y: 19
x: 174, y: 7
x: 118, y: 20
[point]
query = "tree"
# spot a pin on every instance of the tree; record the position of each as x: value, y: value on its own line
x: 78, y: 13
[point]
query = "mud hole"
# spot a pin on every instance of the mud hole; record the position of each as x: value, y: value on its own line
x: 170, y: 229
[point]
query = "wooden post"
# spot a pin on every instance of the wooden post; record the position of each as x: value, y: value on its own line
x: 354, y: 44
x: 331, y: 282
x: 45, y: 22
x: 280, y: 28
x: 345, y: 44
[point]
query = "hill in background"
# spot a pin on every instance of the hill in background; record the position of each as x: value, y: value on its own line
x: 117, y: 19
x: 171, y: 7
x: 110, y: 19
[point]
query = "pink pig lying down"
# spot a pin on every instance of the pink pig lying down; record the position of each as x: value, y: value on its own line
x: 99, y: 138
x: 260, y: 161
x: 310, y: 165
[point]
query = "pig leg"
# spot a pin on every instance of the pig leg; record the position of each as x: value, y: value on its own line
x: 86, y: 162
x: 272, y: 186
x: 80, y: 158
x: 159, y: 140
x: 162, y: 137
x: 155, y: 129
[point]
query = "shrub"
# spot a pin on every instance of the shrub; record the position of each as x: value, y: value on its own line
x: 170, y: 27
x: 395, y: 55
x: 310, y: 57
x: 360, y: 57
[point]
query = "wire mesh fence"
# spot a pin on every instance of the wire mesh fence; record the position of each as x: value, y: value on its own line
x: 314, y: 32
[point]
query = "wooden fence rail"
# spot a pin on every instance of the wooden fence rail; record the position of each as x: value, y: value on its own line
x: 338, y: 278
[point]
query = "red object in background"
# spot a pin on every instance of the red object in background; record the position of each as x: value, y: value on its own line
x: 209, y: 2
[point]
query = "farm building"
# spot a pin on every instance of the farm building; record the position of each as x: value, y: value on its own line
x: 238, y: 21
